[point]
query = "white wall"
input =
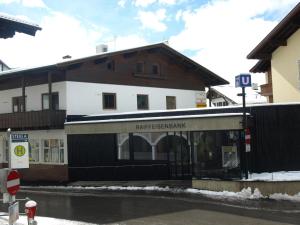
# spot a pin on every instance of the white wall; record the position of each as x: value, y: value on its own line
x: 86, y: 98
x: 34, y: 96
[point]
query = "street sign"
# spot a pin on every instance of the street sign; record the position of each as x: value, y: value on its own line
x: 19, y: 156
x: 13, y: 213
x: 13, y: 182
x: 243, y: 80
x: 200, y: 99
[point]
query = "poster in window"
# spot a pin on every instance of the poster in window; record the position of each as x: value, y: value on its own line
x: 229, y: 157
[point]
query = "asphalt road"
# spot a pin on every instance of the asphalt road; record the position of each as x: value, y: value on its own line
x: 160, y: 208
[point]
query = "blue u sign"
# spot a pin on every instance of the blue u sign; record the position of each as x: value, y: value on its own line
x: 243, y: 80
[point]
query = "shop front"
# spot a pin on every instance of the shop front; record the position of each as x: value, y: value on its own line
x: 173, y: 147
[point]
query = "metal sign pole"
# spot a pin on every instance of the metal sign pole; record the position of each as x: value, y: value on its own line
x: 244, y: 130
x: 8, y: 146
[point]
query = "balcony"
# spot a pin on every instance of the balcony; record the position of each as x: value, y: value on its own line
x: 266, y: 89
x: 33, y: 120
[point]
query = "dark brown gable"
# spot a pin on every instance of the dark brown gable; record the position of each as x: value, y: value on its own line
x: 158, y: 70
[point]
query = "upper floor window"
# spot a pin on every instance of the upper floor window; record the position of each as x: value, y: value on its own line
x: 171, y: 102
x: 155, y: 69
x: 17, y: 104
x: 46, y: 101
x: 109, y: 101
x: 111, y: 65
x: 142, y: 102
x: 140, y: 67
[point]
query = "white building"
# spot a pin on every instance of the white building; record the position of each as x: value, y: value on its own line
x: 154, y: 77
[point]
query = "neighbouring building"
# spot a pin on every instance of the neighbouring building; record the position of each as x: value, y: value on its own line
x: 228, y: 95
x: 3, y: 66
x: 279, y: 54
x: 9, y: 25
x: 38, y: 100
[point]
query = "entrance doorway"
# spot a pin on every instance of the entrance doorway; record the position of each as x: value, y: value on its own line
x: 178, y: 155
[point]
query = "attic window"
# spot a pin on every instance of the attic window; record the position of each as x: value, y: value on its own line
x: 155, y: 69
x: 139, y: 68
x: 111, y: 65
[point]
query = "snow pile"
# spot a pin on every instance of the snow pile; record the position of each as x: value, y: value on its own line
x: 280, y: 196
x: 275, y: 176
x: 246, y: 193
x: 44, y: 221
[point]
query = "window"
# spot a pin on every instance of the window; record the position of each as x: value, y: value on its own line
x: 142, y: 150
x: 17, y: 104
x: 109, y: 101
x: 111, y: 65
x: 171, y: 102
x: 155, y: 69
x: 140, y: 67
x: 53, y: 150
x: 46, y: 101
x: 34, y: 149
x: 142, y: 102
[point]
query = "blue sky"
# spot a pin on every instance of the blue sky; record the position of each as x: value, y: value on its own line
x: 218, y: 34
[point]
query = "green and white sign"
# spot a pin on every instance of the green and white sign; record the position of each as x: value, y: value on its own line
x: 19, y: 151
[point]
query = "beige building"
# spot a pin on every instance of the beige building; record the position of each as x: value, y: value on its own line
x: 279, y: 59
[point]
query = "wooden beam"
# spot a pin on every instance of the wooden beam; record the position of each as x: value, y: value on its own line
x: 278, y: 43
x: 50, y: 89
x: 23, y: 94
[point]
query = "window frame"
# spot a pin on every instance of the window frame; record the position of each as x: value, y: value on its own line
x: 52, y: 106
x: 20, y: 104
x: 60, y: 151
x: 157, y: 65
x: 103, y: 101
x: 142, y: 71
x: 168, y: 97
x: 147, y: 101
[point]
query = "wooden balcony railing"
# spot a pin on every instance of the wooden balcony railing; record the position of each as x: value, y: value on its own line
x: 266, y: 89
x: 33, y: 120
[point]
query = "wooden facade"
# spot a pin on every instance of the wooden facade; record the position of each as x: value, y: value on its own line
x: 33, y: 120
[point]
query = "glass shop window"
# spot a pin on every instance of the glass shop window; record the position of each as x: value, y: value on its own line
x: 34, y: 149
x: 142, y: 150
x: 123, y: 146
x: 53, y: 150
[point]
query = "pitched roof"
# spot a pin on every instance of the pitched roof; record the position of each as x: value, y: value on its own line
x: 209, y: 78
x: 9, y: 25
x: 276, y: 38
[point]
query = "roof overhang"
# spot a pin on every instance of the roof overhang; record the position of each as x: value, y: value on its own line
x: 261, y: 66
x: 10, y: 25
x: 278, y: 36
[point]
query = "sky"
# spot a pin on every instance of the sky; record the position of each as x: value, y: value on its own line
x: 217, y: 34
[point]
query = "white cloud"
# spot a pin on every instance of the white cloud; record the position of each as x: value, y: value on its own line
x: 143, y: 3
x: 122, y: 3
x: 222, y: 33
x: 60, y: 35
x: 167, y: 2
x: 125, y: 42
x: 26, y: 3
x: 153, y: 20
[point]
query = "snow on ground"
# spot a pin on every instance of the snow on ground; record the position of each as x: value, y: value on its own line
x: 275, y: 176
x: 246, y: 193
x: 44, y: 221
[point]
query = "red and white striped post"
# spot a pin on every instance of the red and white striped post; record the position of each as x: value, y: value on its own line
x: 248, y: 140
